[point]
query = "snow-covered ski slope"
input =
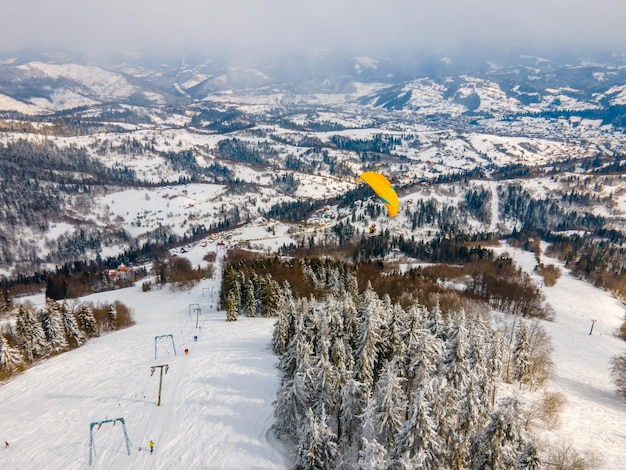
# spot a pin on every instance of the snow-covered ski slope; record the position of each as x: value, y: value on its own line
x: 216, y: 401
x: 593, y: 418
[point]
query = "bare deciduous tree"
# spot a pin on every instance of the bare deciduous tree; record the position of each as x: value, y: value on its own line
x: 618, y: 374
x: 546, y: 409
x: 563, y: 456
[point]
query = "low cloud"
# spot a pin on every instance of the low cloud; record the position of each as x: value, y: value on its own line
x: 273, y: 27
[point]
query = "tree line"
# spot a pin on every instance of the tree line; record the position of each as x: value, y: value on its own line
x: 410, y: 381
x: 33, y: 334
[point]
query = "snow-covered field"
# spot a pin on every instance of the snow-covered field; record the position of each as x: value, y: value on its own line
x: 216, y: 402
x: 594, y: 417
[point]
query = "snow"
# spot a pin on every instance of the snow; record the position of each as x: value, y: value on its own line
x: 63, y: 99
x: 427, y: 98
x: 142, y: 210
x: 103, y: 82
x: 492, y: 98
x: 616, y: 94
x: 594, y: 418
x: 11, y: 104
x: 216, y: 402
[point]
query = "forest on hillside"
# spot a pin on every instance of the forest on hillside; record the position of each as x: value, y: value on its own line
x: 372, y: 378
x: 34, y: 334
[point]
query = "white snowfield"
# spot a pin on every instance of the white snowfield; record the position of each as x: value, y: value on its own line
x: 594, y: 417
x: 216, y: 403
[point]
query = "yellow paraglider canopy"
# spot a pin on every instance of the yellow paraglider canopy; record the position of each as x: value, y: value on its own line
x: 384, y: 189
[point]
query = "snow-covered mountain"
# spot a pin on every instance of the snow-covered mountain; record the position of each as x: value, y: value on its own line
x: 216, y: 401
x: 118, y: 150
x: 47, y: 85
x: 38, y: 87
x: 106, y: 163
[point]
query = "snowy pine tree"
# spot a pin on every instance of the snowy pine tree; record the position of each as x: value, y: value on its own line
x: 529, y: 459
x: 294, y: 399
x: 396, y: 328
x: 52, y: 325
x: 372, y: 456
x: 493, y: 370
x: 418, y: 441
x: 443, y: 399
x: 280, y: 336
x: 501, y: 444
x: 299, y: 349
x: 270, y: 298
x: 86, y: 321
x: 295, y: 395
x: 473, y: 413
x: 236, y: 291
x: 422, y: 355
x: 230, y: 305
x: 368, y: 418
x: 348, y: 312
x: 435, y: 321
x: 522, y: 367
x: 326, y: 380
x: 30, y: 334
x: 473, y: 409
x: 10, y: 358
x: 353, y: 405
x: 369, y: 337
x: 390, y: 405
x: 248, y: 299
x: 112, y: 317
x: 385, y: 319
x: 317, y: 447
x: 72, y: 333
x: 352, y: 287
x: 283, y: 328
x: 333, y: 280
x: 455, y: 367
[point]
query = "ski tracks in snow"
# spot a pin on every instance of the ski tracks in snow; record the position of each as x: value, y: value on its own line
x: 216, y: 402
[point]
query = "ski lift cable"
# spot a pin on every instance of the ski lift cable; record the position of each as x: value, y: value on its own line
x: 149, y: 420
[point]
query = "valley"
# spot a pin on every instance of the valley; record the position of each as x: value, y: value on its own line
x: 98, y: 161
x: 508, y: 176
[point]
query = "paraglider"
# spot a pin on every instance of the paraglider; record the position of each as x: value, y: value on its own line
x: 384, y: 189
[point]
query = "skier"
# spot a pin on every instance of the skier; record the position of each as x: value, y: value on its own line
x: 151, y: 446
x: 6, y: 444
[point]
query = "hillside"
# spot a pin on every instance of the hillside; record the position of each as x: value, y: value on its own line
x: 216, y: 403
x: 191, y: 157
x: 593, y: 415
x: 143, y: 165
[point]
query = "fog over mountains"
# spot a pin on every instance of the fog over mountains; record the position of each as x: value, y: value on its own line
x: 528, y: 79
x: 510, y: 172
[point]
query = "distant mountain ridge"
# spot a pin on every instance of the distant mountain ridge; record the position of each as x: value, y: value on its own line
x: 532, y: 86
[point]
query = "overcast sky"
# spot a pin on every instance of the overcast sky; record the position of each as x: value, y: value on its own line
x: 257, y: 27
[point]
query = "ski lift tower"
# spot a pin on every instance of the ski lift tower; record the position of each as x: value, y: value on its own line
x: 92, y: 448
x: 156, y: 338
